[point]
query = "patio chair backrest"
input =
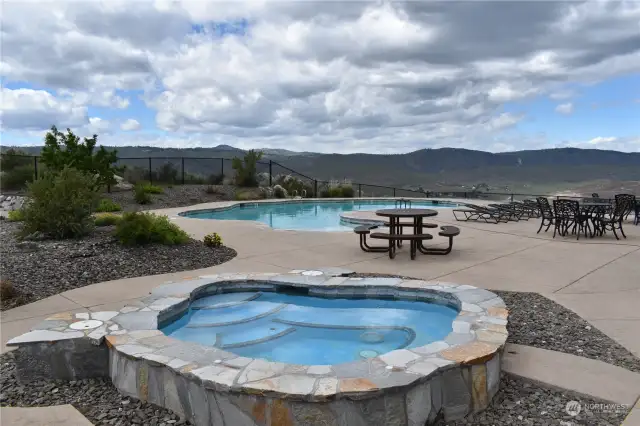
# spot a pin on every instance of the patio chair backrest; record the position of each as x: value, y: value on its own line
x: 545, y: 207
x: 566, y: 209
x: 626, y: 202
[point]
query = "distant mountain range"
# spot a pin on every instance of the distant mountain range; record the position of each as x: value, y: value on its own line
x: 429, y: 168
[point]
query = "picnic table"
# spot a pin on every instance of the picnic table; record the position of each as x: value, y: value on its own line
x: 396, y: 235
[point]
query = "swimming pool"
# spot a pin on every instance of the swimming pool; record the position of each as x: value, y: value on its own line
x: 304, y: 215
x: 301, y: 329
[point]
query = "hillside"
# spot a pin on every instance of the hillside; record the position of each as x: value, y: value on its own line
x: 429, y: 168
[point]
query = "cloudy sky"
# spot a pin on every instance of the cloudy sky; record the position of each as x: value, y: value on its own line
x: 324, y: 76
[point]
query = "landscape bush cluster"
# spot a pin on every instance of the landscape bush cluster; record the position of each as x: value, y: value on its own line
x: 62, y: 202
x: 341, y: 191
x: 106, y: 219
x: 15, y: 215
x: 294, y: 186
x: 213, y: 240
x: 136, y: 228
x: 106, y: 205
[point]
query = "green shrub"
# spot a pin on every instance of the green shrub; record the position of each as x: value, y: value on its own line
x: 17, y: 178
x: 107, y: 205
x: 106, y: 219
x: 140, y: 195
x: 213, y: 240
x: 7, y: 290
x: 147, y: 228
x: 15, y: 215
x: 60, y: 204
x: 342, y: 191
x: 347, y: 191
x: 243, y: 196
x: 152, y: 189
x: 246, y: 170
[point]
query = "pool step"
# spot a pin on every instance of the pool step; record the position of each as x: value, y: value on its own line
x: 233, y: 319
x: 254, y: 336
x: 236, y: 300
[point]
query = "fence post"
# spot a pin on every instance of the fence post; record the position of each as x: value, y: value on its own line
x: 394, y: 192
x: 315, y: 188
x: 150, y: 172
x: 512, y: 198
x: 182, y: 170
x: 35, y: 166
x: 222, y: 167
x: 359, y: 190
x: 270, y: 174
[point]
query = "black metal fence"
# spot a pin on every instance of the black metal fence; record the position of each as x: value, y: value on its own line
x: 215, y: 170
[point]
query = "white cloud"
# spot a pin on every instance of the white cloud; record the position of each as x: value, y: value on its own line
x: 324, y: 76
x: 566, y: 108
x: 130, y: 124
x: 98, y: 126
x: 28, y: 109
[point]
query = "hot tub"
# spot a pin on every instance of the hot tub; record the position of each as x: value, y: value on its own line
x: 303, y: 348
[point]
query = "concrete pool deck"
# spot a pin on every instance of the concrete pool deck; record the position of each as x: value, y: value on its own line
x: 598, y: 278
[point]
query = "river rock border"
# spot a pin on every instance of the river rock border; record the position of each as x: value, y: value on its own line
x: 445, y: 379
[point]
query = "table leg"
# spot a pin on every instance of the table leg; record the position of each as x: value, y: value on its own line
x: 397, y: 231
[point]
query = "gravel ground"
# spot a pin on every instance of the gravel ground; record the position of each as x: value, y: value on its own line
x: 38, y: 269
x: 176, y: 196
x: 537, y: 321
x: 523, y: 403
x: 97, y: 399
x: 518, y: 402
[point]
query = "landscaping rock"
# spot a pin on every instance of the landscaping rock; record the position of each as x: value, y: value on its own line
x: 48, y: 267
x: 175, y: 196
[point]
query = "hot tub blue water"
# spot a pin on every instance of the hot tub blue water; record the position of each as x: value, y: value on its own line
x: 305, y: 215
x: 310, y: 330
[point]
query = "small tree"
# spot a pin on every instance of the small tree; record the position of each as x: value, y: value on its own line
x: 246, y: 171
x: 66, y: 150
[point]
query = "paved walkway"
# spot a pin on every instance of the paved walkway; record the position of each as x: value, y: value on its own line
x: 57, y: 415
x: 583, y: 376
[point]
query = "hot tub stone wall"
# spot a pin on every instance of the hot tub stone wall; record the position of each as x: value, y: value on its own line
x: 446, y: 379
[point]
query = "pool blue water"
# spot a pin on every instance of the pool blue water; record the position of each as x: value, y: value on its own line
x: 307, y: 215
x: 310, y: 330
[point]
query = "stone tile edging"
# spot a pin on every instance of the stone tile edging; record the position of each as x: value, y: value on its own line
x: 238, y: 204
x: 145, y: 363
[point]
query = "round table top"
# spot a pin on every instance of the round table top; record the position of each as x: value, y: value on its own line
x: 407, y: 212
